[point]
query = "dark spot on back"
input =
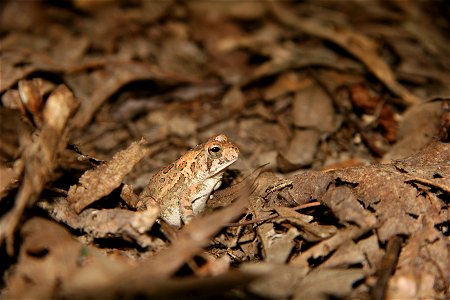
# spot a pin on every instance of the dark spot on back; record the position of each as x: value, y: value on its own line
x: 193, y: 167
x: 167, y: 169
x: 182, y: 166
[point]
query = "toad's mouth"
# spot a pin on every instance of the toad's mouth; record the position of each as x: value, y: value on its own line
x: 224, y: 166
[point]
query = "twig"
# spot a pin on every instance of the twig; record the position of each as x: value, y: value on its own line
x: 387, y: 267
x: 249, y: 222
x: 312, y: 204
x: 306, y: 205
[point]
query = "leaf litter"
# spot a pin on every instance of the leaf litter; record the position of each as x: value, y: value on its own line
x: 342, y: 186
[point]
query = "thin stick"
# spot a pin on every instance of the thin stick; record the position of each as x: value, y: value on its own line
x: 249, y: 222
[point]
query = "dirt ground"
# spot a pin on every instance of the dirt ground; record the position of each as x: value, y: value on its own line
x: 340, y: 111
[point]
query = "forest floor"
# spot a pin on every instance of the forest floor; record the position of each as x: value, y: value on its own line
x: 340, y: 111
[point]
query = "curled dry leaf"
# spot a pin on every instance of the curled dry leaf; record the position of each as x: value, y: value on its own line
x: 298, y: 58
x: 383, y: 200
x: 46, y: 245
x: 40, y: 158
x: 11, y: 99
x: 311, y: 232
x: 105, y: 82
x: 419, y: 125
x: 313, y: 108
x: 276, y: 281
x: 320, y: 284
x: 310, y: 185
x: 286, y: 83
x: 19, y: 63
x: 362, y: 47
x: 106, y: 223
x: 224, y: 198
x: 365, y: 252
x: 329, y: 245
x: 344, y: 205
x: 300, y: 151
x: 95, y: 184
x: 425, y: 255
x: 31, y: 96
x: 234, y: 100
x: 278, y: 247
x: 373, y: 107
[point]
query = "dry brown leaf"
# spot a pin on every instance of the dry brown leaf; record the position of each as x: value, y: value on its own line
x: 344, y: 205
x: 396, y: 203
x: 40, y: 158
x: 310, y: 185
x: 19, y: 63
x: 47, y: 247
x: 375, y: 111
x: 276, y: 281
x: 323, y: 283
x: 107, y: 81
x: 327, y: 246
x: 95, y: 184
x: 366, y: 252
x: 234, y: 100
x: 238, y: 10
x: 419, y: 125
x: 11, y: 99
x: 106, y: 223
x: 278, y: 247
x: 286, y: 83
x: 284, y: 59
x: 397, y: 207
x: 31, y: 96
x: 300, y: 151
x: 362, y: 47
x: 313, y: 108
x: 310, y: 231
x: 425, y: 255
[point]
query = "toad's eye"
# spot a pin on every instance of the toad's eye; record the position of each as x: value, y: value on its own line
x: 214, y: 149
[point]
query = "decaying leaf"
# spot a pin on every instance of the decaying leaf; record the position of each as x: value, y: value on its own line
x: 40, y: 158
x: 358, y: 45
x: 323, y: 283
x: 45, y: 246
x: 106, y: 223
x: 105, y: 178
x: 109, y: 80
